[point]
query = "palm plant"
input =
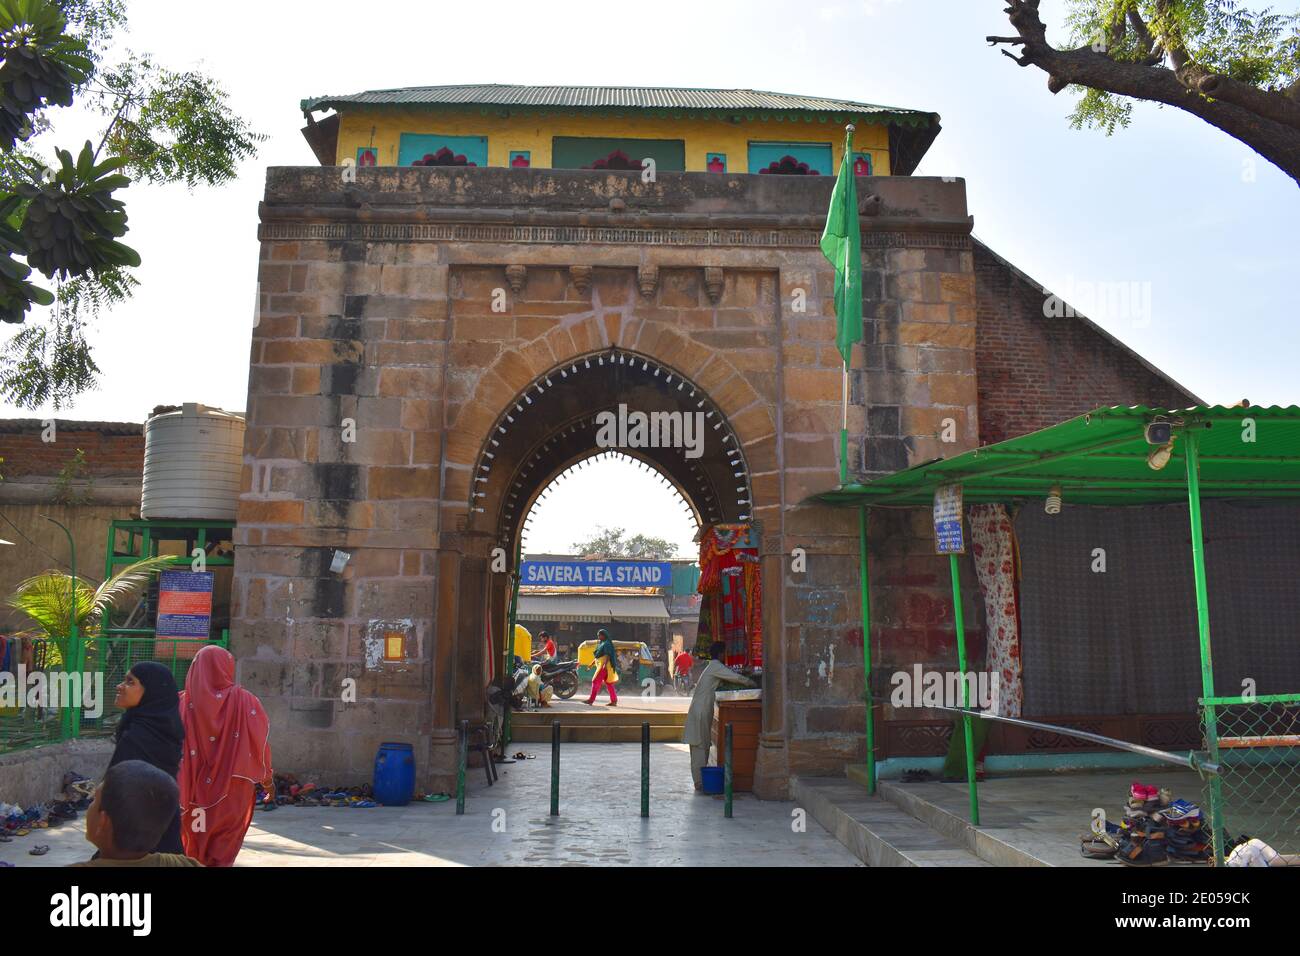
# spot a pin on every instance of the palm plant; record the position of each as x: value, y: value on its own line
x: 47, y: 599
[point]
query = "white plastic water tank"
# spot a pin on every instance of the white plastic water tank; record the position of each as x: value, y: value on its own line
x: 192, y: 461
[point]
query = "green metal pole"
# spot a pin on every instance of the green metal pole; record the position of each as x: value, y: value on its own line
x: 965, y: 691
x: 1203, y: 631
x: 645, y: 768
x: 70, y: 715
x: 866, y: 648
x: 555, y: 768
x: 726, y: 771
x: 844, y: 431
x: 461, y: 758
x: 507, y: 672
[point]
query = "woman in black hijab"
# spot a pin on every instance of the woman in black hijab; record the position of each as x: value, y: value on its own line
x: 151, y: 730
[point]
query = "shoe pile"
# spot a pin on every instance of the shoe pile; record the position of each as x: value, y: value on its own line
x: 1156, y: 829
x: 289, y: 792
x: 15, y: 821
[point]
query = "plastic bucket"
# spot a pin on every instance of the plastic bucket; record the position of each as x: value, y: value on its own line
x: 711, y: 779
x: 394, y: 782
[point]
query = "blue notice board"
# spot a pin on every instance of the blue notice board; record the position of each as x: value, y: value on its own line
x: 948, y: 537
x: 604, y: 574
x: 184, y: 604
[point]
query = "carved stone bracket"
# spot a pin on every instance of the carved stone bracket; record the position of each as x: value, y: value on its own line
x: 647, y: 278
x: 869, y: 205
x: 581, y: 276
x: 713, y: 283
x: 515, y: 275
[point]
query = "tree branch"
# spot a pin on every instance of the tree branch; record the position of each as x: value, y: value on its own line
x: 1275, y: 105
x: 1267, y: 121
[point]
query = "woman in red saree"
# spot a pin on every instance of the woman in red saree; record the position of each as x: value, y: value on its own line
x: 227, y: 753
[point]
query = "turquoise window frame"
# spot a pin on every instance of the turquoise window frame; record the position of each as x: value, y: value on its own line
x: 525, y: 153
x: 413, y: 146
x: 709, y: 157
x: 818, y: 156
x: 367, y: 149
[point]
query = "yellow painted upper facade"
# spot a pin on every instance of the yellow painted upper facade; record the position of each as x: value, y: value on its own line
x: 534, y: 132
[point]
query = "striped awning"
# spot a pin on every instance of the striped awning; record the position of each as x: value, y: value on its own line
x: 592, y: 608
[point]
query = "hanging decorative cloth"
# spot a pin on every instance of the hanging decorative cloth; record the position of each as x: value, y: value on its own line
x: 729, y: 579
x: 993, y: 547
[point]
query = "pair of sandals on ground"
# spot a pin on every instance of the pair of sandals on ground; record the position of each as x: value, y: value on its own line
x: 1157, y: 829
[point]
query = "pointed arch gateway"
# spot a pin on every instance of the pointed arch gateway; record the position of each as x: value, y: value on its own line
x: 568, y: 414
x: 611, y: 400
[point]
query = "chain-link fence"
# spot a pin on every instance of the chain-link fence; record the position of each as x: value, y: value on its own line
x: 1256, y: 794
x: 23, y: 724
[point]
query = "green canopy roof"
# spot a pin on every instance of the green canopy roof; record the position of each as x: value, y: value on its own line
x: 1101, y: 458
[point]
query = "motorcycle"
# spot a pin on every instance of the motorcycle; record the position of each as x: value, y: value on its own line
x: 561, y: 676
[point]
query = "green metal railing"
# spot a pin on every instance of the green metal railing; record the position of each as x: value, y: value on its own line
x: 23, y: 727
x: 1256, y: 742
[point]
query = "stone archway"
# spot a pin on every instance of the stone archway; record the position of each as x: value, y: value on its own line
x: 554, y: 421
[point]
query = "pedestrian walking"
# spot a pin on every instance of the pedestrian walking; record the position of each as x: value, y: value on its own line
x: 606, y: 669
x: 227, y: 753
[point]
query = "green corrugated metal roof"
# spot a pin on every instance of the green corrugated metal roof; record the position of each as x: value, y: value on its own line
x: 658, y: 98
x: 1101, y: 458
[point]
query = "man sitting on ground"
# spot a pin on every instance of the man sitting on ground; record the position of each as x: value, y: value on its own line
x: 131, y: 809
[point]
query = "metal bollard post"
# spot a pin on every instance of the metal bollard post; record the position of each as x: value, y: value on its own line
x: 645, y: 768
x: 555, y: 768
x: 461, y: 758
x: 726, y: 773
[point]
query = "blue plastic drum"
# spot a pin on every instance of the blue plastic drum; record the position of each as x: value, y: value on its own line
x: 711, y: 779
x: 394, y: 782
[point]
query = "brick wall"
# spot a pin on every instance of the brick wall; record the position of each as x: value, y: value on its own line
x: 1035, y: 371
x: 107, y: 455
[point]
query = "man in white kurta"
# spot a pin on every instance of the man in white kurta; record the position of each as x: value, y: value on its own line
x: 699, y: 719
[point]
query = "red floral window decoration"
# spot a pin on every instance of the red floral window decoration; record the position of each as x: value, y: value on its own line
x: 717, y: 163
x: 443, y: 157
x: 789, y: 166
x: 616, y: 160
x: 862, y: 165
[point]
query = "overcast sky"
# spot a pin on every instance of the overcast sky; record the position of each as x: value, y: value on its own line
x: 1182, y: 215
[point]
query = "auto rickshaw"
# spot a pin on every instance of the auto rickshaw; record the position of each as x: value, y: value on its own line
x: 645, y: 664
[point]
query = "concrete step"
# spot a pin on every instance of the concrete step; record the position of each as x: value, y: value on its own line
x: 947, y: 811
x: 597, y: 716
x: 593, y: 733
x: 874, y: 830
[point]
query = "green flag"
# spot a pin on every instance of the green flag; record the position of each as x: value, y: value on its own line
x: 842, y: 245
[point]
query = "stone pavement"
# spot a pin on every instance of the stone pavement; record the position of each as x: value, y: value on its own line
x: 509, y: 824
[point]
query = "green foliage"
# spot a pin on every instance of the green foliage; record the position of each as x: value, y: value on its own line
x: 161, y: 126
x: 48, y: 362
x: 1258, y: 47
x: 49, y: 601
x: 41, y: 67
x: 73, y: 470
x: 72, y: 219
x: 16, y: 293
x: 176, y: 127
x: 609, y: 543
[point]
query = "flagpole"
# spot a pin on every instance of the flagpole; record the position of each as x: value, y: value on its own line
x: 844, y: 404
